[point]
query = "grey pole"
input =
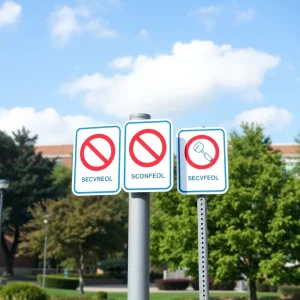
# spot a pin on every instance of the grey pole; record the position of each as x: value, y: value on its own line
x: 1, y: 204
x: 203, y: 249
x: 138, y: 239
x: 45, y: 253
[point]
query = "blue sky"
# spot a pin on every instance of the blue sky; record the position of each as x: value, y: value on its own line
x: 66, y: 64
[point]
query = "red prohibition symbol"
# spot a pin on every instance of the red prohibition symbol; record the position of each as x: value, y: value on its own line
x: 157, y: 157
x: 87, y: 143
x: 212, y: 162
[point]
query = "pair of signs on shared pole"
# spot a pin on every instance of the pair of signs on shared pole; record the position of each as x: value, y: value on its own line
x: 139, y: 158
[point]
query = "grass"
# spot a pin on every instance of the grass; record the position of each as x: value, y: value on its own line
x: 165, y: 295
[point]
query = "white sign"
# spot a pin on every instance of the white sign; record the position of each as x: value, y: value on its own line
x: 148, y: 156
x: 96, y: 161
x: 202, y: 161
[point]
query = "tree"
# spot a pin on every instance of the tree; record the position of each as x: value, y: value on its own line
x: 79, y: 229
x: 242, y: 223
x: 62, y: 180
x: 30, y: 181
x: 296, y: 170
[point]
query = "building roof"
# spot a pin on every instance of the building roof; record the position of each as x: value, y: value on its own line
x: 68, y: 149
x: 286, y: 149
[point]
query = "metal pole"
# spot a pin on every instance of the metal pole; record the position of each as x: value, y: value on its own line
x: 203, y: 249
x: 45, y: 254
x: 138, y: 240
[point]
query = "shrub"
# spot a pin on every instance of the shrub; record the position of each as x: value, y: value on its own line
x: 101, y: 296
x: 58, y: 282
x: 290, y: 292
x: 90, y: 276
x: 113, y: 265
x: 24, y: 291
x: 222, y: 286
x: 154, y: 276
x: 195, y: 285
x: 266, y: 287
x: 172, y: 284
x: 79, y: 297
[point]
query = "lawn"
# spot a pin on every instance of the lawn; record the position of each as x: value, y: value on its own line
x: 165, y: 295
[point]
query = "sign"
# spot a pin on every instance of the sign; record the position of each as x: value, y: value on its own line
x: 148, y: 156
x: 96, y: 161
x: 202, y: 161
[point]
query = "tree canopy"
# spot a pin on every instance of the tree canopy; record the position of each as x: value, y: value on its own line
x: 79, y: 228
x: 245, y: 226
x: 30, y: 177
x: 62, y: 180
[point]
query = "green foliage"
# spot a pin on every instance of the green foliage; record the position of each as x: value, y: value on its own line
x: 266, y: 286
x: 253, y: 229
x: 79, y: 228
x: 290, y: 292
x: 30, y: 177
x: 172, y: 284
x: 89, y: 276
x: 113, y: 265
x: 62, y: 180
x: 23, y: 291
x: 77, y: 225
x: 221, y: 286
x: 77, y: 297
x: 52, y: 281
x: 101, y: 295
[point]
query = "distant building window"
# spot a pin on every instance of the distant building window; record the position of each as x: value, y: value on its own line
x: 290, y: 165
x: 58, y: 162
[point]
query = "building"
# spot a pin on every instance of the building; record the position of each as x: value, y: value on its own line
x: 289, y: 154
x: 62, y: 153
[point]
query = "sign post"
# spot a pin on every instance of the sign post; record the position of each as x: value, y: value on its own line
x: 202, y: 248
x: 202, y: 169
x: 148, y: 167
x: 138, y: 239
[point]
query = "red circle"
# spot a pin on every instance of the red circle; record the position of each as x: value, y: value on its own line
x: 158, y: 158
x: 205, y: 137
x: 87, y: 143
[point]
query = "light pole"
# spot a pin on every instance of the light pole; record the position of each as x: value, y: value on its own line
x: 4, y: 184
x: 45, y: 249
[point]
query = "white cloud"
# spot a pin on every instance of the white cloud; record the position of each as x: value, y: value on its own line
x: 9, y: 13
x: 207, y: 15
x: 208, y: 10
x: 67, y: 21
x: 271, y: 117
x: 143, y: 34
x: 187, y: 78
x: 120, y: 63
x: 50, y: 127
x: 245, y: 16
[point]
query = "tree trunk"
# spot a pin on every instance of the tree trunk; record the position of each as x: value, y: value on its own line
x: 81, y: 271
x: 10, y: 253
x: 9, y: 265
x: 252, y: 284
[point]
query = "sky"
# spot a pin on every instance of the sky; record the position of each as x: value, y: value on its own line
x: 75, y: 63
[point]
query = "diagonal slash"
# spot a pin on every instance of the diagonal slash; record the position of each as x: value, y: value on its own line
x: 99, y: 154
x: 148, y: 148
